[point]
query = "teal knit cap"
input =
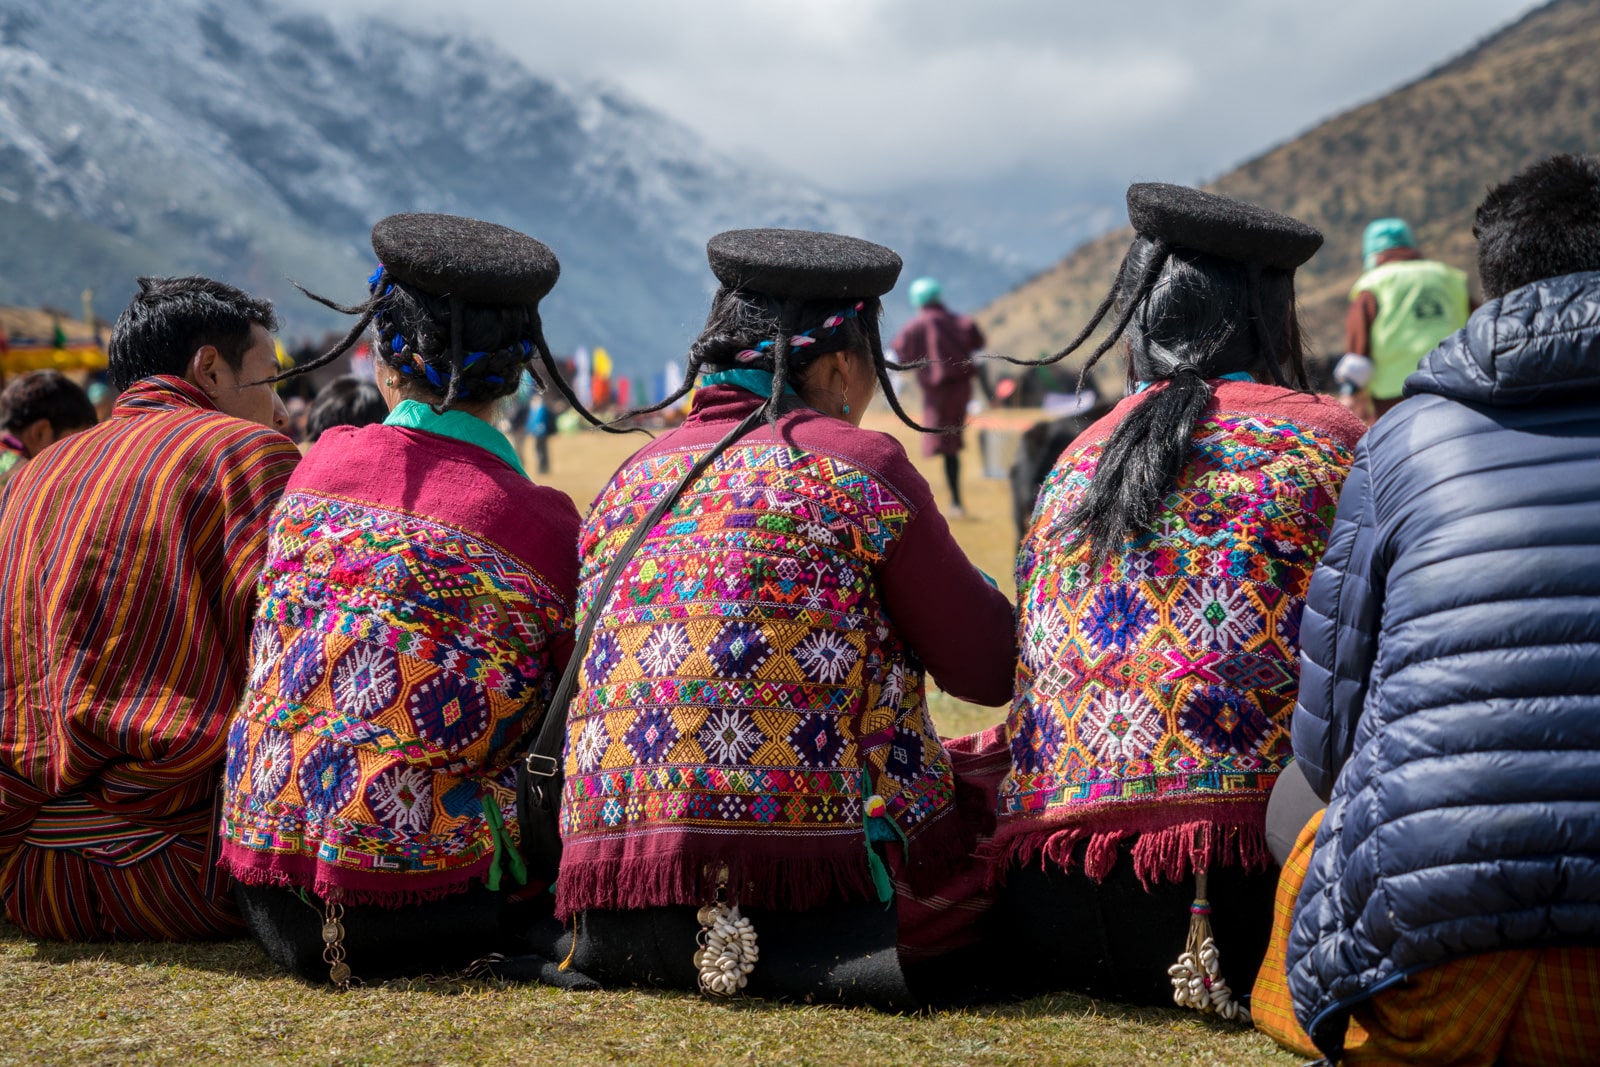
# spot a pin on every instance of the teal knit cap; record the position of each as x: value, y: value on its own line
x: 925, y: 291
x: 1383, y: 235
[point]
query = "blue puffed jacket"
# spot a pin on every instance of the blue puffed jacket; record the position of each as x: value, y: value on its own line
x: 1450, y: 665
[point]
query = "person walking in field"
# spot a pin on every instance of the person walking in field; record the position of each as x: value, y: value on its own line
x: 1400, y: 309
x: 945, y: 344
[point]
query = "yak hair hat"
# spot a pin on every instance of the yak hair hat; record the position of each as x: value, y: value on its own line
x: 1178, y: 218
x: 468, y: 260
x: 802, y: 264
x: 1229, y: 229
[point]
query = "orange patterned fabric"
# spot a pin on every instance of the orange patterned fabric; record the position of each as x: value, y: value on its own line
x: 1271, y: 1007
x: 1528, y: 1007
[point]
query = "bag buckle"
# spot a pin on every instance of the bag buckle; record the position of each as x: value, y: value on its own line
x: 549, y: 768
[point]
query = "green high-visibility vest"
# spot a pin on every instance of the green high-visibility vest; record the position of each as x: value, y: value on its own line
x: 1420, y: 303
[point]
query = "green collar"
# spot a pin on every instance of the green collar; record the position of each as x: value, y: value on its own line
x: 415, y: 415
x: 750, y: 379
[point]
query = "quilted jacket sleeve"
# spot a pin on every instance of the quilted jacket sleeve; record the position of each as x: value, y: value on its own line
x: 1338, y: 635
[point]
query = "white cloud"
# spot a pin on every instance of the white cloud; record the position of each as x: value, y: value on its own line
x: 865, y: 95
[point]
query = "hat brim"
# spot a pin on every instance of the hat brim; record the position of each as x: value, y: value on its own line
x: 1230, y: 229
x: 802, y: 264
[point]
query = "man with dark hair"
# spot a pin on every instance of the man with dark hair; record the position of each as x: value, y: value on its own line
x: 345, y: 401
x: 38, y: 409
x: 128, y: 564
x: 1449, y: 710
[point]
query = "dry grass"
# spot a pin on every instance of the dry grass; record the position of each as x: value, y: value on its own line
x: 224, y: 1003
x: 171, y: 1004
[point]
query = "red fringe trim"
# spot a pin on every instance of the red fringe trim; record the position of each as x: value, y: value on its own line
x: 1168, y: 847
x: 786, y: 875
x: 379, y: 890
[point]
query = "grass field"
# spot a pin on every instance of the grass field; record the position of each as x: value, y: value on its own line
x: 224, y: 1004
x: 166, y: 1004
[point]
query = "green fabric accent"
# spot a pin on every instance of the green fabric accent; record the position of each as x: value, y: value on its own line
x: 1232, y: 376
x: 880, y: 877
x: 505, y: 852
x: 1383, y: 235
x: 1420, y: 303
x: 750, y: 379
x: 879, y: 828
x: 457, y: 425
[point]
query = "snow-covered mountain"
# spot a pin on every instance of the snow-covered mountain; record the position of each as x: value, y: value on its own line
x: 252, y: 141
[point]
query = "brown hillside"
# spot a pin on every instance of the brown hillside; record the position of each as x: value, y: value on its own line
x: 1425, y: 152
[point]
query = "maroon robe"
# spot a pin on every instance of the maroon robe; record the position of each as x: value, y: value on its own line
x: 947, y: 342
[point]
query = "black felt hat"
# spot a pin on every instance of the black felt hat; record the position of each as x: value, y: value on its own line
x: 477, y: 262
x: 802, y: 264
x: 1218, y: 225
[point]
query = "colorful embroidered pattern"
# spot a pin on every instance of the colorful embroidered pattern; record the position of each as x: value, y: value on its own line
x: 744, y: 670
x: 395, y: 663
x: 1171, y: 674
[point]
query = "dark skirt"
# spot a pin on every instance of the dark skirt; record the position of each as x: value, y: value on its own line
x: 842, y: 954
x: 436, y: 938
x: 1052, y: 931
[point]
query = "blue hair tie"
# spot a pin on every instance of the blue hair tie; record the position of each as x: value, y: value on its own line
x: 494, y: 379
x: 473, y: 357
x: 375, y: 277
x: 433, y: 376
x: 527, y: 347
x: 397, y: 343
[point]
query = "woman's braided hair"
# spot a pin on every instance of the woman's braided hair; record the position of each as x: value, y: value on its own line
x: 463, y: 353
x: 1188, y: 317
x: 784, y: 337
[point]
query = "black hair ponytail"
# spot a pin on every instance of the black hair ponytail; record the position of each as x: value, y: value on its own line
x: 462, y: 352
x: 1139, y: 464
x: 1187, y: 317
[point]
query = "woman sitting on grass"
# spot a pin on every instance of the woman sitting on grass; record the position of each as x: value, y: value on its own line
x: 750, y: 727
x: 1160, y: 588
x: 416, y: 611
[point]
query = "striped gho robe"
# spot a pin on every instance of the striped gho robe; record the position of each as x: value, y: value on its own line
x: 129, y: 556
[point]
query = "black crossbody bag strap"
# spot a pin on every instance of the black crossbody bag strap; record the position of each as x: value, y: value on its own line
x: 540, y: 773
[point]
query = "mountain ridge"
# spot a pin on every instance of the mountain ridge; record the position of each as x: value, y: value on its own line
x: 253, y: 141
x: 1425, y: 151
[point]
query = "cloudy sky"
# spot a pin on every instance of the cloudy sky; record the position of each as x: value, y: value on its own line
x: 1016, y: 106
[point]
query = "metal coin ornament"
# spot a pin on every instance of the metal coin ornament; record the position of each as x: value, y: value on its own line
x: 339, y: 972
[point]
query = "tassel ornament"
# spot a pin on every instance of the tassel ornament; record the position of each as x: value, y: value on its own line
x: 728, y: 950
x: 1197, y: 980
